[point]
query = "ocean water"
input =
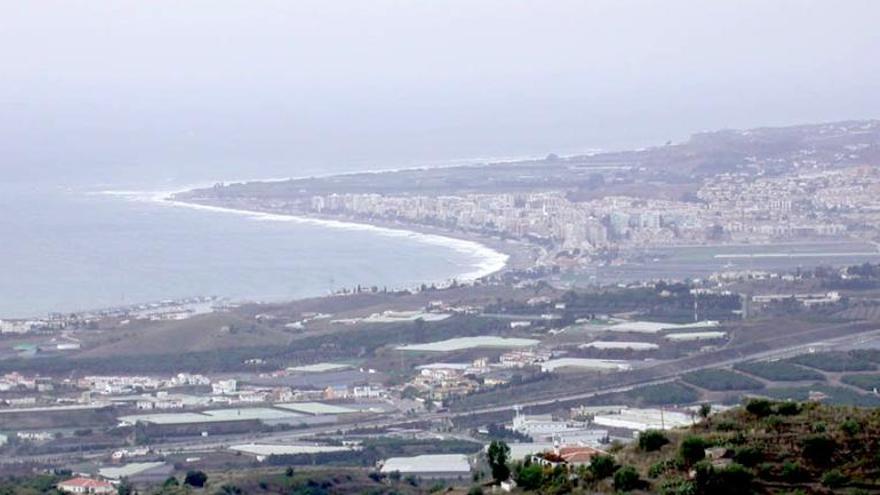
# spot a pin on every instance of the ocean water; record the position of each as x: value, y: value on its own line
x: 69, y: 249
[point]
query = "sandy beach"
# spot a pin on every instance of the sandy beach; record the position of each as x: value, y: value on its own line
x: 495, y: 255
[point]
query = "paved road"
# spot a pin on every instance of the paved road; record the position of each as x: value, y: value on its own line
x: 805, y: 342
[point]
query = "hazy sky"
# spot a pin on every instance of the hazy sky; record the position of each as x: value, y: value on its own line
x: 157, y: 90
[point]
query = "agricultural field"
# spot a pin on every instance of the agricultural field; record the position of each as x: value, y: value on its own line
x: 721, y: 380
x: 834, y: 361
x: 828, y: 394
x: 779, y: 371
x: 660, y: 395
x: 869, y: 382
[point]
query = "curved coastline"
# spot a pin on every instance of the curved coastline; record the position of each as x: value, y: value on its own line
x: 491, y: 260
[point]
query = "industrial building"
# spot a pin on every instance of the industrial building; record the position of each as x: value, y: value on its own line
x: 442, y: 466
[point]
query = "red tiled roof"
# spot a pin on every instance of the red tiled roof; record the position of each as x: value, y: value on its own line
x: 578, y: 454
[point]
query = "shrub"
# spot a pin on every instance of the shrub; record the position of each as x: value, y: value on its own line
x: 793, y: 472
x: 765, y: 470
x: 195, y: 478
x: 788, y: 408
x: 657, y: 469
x: 652, y: 440
x: 732, y: 480
x: 626, y: 479
x: 851, y: 427
x: 818, y: 449
x: 773, y: 423
x: 602, y: 466
x: 759, y: 407
x: 692, y: 450
x: 678, y: 486
x: 748, y: 456
x: 726, y: 426
x: 834, y: 479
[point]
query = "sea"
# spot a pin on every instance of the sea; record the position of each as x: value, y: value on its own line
x: 91, y: 246
x: 96, y: 238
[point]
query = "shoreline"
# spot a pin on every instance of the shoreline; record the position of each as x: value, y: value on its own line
x: 493, y: 256
x: 490, y: 256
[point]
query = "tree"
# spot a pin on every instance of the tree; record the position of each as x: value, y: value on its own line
x: 705, y: 410
x: 651, y: 440
x: 289, y: 472
x: 530, y: 477
x: 499, y: 455
x: 195, y: 478
x: 171, y: 481
x: 626, y: 479
x: 125, y: 488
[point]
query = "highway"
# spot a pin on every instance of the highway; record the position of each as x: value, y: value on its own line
x: 219, y: 442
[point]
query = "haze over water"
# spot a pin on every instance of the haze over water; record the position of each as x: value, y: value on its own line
x: 150, y: 96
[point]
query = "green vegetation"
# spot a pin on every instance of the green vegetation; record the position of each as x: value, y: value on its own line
x: 667, y: 302
x: 776, y: 448
x: 337, y: 345
x: 835, y: 361
x: 626, y: 479
x: 872, y: 355
x: 499, y: 456
x: 831, y: 394
x: 779, y: 371
x: 30, y: 485
x: 662, y: 394
x: 864, y: 382
x: 651, y: 440
x: 602, y: 466
x: 692, y: 450
x: 733, y: 479
x: 195, y: 478
x: 316, y: 482
x: 721, y: 380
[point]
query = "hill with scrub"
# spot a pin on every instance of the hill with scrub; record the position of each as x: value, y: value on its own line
x: 761, y: 447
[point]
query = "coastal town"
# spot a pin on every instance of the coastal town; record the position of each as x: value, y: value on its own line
x: 419, y: 386
x: 819, y: 192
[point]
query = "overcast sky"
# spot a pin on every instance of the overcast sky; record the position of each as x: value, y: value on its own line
x: 160, y: 90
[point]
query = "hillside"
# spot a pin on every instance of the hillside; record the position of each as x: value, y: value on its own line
x: 762, y: 447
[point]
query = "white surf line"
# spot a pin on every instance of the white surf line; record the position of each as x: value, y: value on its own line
x: 490, y: 260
